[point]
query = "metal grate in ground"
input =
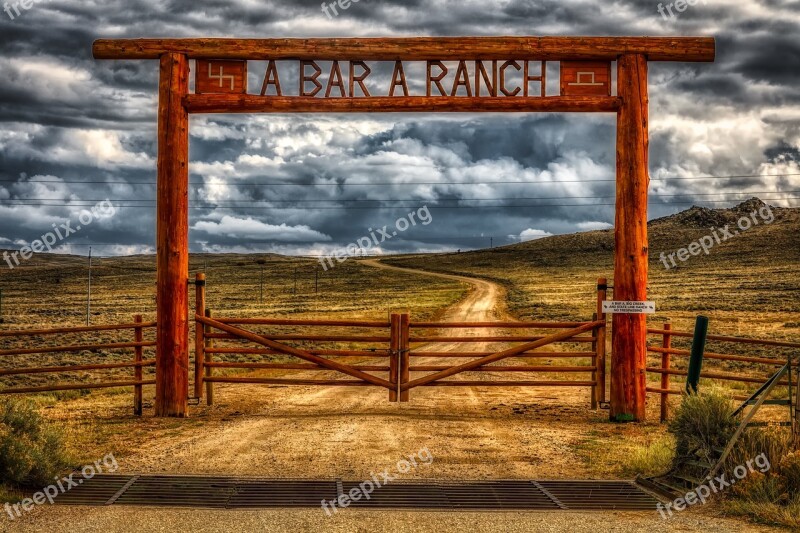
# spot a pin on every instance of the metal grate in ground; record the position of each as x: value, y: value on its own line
x: 242, y: 493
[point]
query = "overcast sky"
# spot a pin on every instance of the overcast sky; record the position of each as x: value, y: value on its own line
x: 289, y: 184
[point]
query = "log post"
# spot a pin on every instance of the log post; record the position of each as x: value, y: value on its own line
x: 138, y: 336
x: 199, y: 335
x: 208, y: 359
x: 666, y: 363
x: 394, y: 356
x: 629, y: 334
x: 602, y: 291
x: 594, y: 392
x: 172, y: 351
x: 405, y: 354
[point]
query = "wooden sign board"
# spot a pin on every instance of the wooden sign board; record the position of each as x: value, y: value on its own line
x: 629, y: 308
x: 220, y: 77
x: 585, y: 78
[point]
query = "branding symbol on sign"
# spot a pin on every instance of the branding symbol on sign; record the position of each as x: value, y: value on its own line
x: 581, y: 80
x: 221, y: 76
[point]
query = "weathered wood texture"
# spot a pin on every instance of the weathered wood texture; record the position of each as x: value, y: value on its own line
x: 172, y: 353
x: 415, y: 48
x: 231, y: 103
x: 629, y: 331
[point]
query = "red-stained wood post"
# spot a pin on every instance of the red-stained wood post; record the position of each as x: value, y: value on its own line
x: 600, y: 345
x: 405, y: 354
x: 629, y: 333
x: 138, y: 375
x: 172, y: 239
x: 394, y: 356
x: 199, y: 334
x: 666, y: 362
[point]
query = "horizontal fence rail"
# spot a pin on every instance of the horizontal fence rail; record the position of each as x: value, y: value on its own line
x: 136, y: 345
x: 398, y: 354
x: 736, y: 370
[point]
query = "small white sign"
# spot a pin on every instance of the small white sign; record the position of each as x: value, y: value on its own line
x: 629, y: 308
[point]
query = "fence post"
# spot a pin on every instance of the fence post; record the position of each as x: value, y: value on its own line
x: 404, y: 351
x: 394, y: 356
x: 199, y: 336
x: 793, y: 411
x: 600, y: 333
x: 797, y: 408
x: 138, y: 336
x: 666, y: 361
x: 209, y: 358
x: 698, y: 351
x: 595, y: 365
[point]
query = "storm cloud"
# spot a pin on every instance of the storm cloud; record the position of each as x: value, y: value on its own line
x: 77, y: 131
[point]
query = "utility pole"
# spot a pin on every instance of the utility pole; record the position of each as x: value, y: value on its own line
x: 89, y: 290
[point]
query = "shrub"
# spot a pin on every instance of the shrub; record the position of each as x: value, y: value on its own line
x: 703, y: 424
x: 31, y: 449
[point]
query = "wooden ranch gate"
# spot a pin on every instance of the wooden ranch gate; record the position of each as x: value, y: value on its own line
x: 385, y: 352
x: 585, y: 86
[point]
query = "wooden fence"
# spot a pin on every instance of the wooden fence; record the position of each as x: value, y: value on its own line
x: 746, y: 372
x: 137, y: 344
x: 386, y: 353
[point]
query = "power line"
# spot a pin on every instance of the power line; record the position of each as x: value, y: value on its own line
x: 440, y: 208
x: 398, y: 207
x: 299, y: 203
x: 367, y: 184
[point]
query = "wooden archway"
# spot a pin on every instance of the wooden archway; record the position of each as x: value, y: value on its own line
x: 585, y: 67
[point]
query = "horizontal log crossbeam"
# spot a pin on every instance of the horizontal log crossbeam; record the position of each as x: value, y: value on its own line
x: 249, y: 103
x: 692, y: 49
